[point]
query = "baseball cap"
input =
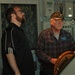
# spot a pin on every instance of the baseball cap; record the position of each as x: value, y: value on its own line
x: 57, y: 15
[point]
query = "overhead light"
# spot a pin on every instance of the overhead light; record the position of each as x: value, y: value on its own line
x: 70, y: 8
x: 70, y: 15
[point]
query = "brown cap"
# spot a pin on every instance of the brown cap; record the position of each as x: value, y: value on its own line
x: 57, y: 15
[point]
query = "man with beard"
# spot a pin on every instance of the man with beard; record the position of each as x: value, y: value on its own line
x: 16, y: 55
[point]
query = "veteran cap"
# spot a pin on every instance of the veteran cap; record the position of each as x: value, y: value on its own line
x: 57, y: 15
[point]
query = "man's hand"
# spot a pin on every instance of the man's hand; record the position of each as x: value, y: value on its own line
x: 53, y: 60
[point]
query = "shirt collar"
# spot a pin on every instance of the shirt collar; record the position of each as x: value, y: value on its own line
x: 14, y: 25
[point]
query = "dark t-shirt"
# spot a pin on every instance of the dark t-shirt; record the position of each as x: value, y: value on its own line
x: 15, y: 41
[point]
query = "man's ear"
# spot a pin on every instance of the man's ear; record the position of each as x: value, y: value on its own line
x: 51, y: 20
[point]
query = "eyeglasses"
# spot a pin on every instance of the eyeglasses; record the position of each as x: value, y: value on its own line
x: 21, y: 11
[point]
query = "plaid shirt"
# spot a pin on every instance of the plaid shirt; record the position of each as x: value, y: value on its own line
x: 49, y: 46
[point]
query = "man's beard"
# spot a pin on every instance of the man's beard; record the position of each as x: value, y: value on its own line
x: 21, y: 20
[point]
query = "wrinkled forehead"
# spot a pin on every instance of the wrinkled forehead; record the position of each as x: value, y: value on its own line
x: 56, y: 19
